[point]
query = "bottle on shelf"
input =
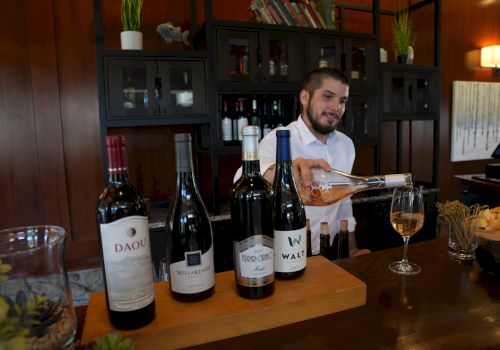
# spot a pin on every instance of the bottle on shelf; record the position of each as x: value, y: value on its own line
x: 324, y: 240
x: 309, y: 238
x: 266, y: 129
x: 189, y: 233
x: 242, y: 118
x: 323, y: 62
x: 290, y: 236
x: 235, y: 118
x: 251, y: 209
x: 125, y: 244
x: 340, y: 245
x: 255, y: 119
x: 226, y: 125
x: 330, y: 187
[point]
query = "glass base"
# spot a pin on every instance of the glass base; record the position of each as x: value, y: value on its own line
x: 402, y: 268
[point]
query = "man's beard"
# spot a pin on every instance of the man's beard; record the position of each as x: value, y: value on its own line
x: 324, y: 130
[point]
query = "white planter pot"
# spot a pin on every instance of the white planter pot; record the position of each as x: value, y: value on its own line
x: 131, y: 40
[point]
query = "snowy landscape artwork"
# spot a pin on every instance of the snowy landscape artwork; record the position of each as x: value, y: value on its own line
x: 475, y: 128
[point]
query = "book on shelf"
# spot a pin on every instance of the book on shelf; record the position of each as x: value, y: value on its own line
x: 307, y: 15
x: 280, y: 9
x: 259, y: 8
x: 314, y: 12
x: 296, y: 8
x: 293, y: 13
x: 277, y: 18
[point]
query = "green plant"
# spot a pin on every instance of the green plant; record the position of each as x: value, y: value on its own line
x: 112, y: 341
x: 402, y: 33
x: 131, y: 14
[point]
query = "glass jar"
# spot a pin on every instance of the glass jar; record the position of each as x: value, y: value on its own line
x: 34, y: 287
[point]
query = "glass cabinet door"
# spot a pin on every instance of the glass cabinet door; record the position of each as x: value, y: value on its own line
x: 131, y: 88
x: 398, y: 93
x: 279, y: 52
x: 325, y: 52
x: 182, y: 87
x: 360, y: 120
x: 360, y: 61
x: 425, y: 98
x: 237, y: 55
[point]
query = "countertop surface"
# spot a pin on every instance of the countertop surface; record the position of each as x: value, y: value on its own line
x: 449, y: 305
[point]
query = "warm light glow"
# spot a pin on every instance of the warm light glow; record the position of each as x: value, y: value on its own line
x: 490, y: 56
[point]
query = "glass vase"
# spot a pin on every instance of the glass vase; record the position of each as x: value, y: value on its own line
x: 34, y: 288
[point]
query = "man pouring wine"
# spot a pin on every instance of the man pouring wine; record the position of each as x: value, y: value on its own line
x: 315, y: 143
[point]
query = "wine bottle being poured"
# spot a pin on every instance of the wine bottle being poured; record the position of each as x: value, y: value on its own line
x: 330, y: 187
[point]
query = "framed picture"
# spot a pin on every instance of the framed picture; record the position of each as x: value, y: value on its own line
x: 475, y: 128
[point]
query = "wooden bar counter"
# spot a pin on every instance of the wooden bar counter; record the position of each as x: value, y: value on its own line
x: 449, y: 305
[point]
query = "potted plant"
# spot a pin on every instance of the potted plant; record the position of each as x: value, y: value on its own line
x: 402, y: 36
x: 131, y: 37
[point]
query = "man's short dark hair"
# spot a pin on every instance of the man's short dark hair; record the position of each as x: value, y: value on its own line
x: 314, y: 78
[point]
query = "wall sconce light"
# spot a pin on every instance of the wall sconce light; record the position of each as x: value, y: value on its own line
x: 490, y: 57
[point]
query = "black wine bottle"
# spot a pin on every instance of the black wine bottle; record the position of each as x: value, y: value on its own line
x: 340, y: 245
x: 309, y: 238
x: 324, y: 240
x: 252, y: 222
x: 290, y: 236
x: 125, y: 245
x: 189, y: 240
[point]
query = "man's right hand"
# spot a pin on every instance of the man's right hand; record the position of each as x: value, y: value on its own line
x: 302, y: 169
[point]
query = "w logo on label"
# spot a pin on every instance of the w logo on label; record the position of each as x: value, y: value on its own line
x: 294, y: 241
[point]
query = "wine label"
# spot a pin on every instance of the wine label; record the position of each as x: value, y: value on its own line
x: 290, y: 250
x: 254, y: 258
x: 127, y: 263
x: 194, y: 274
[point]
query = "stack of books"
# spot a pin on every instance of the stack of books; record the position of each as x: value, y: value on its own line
x: 302, y: 13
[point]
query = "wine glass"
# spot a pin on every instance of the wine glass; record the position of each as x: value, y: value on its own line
x: 407, y: 218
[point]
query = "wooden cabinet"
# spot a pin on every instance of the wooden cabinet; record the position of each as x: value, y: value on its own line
x: 410, y: 92
x: 354, y: 56
x: 155, y: 88
x: 257, y: 56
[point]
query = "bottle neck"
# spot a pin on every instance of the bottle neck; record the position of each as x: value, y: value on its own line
x: 186, y: 183
x: 250, y: 155
x: 117, y: 161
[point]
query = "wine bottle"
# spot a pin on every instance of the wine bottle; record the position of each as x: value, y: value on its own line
x: 290, y: 236
x: 242, y: 119
x: 190, y: 239
x: 340, y: 245
x: 255, y: 120
x: 324, y: 240
x: 330, y: 187
x: 252, y: 222
x: 125, y: 245
x: 309, y: 238
x: 226, y: 125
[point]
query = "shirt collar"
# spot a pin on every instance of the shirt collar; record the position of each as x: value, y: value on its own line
x: 307, y: 136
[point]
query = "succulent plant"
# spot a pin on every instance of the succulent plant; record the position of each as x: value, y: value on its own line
x: 113, y: 341
x: 4, y: 271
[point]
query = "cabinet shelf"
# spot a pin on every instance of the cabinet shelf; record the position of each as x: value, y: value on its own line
x: 141, y: 54
x: 147, y: 121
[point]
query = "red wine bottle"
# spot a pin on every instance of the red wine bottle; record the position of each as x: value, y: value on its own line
x: 340, y: 245
x: 324, y: 241
x: 252, y: 223
x: 290, y: 236
x: 125, y: 245
x: 190, y: 240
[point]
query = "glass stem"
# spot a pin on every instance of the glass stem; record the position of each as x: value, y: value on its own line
x: 406, y: 239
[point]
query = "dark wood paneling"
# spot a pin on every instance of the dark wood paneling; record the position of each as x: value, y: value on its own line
x: 466, y: 27
x: 21, y: 200
x: 75, y: 45
x: 47, y: 113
